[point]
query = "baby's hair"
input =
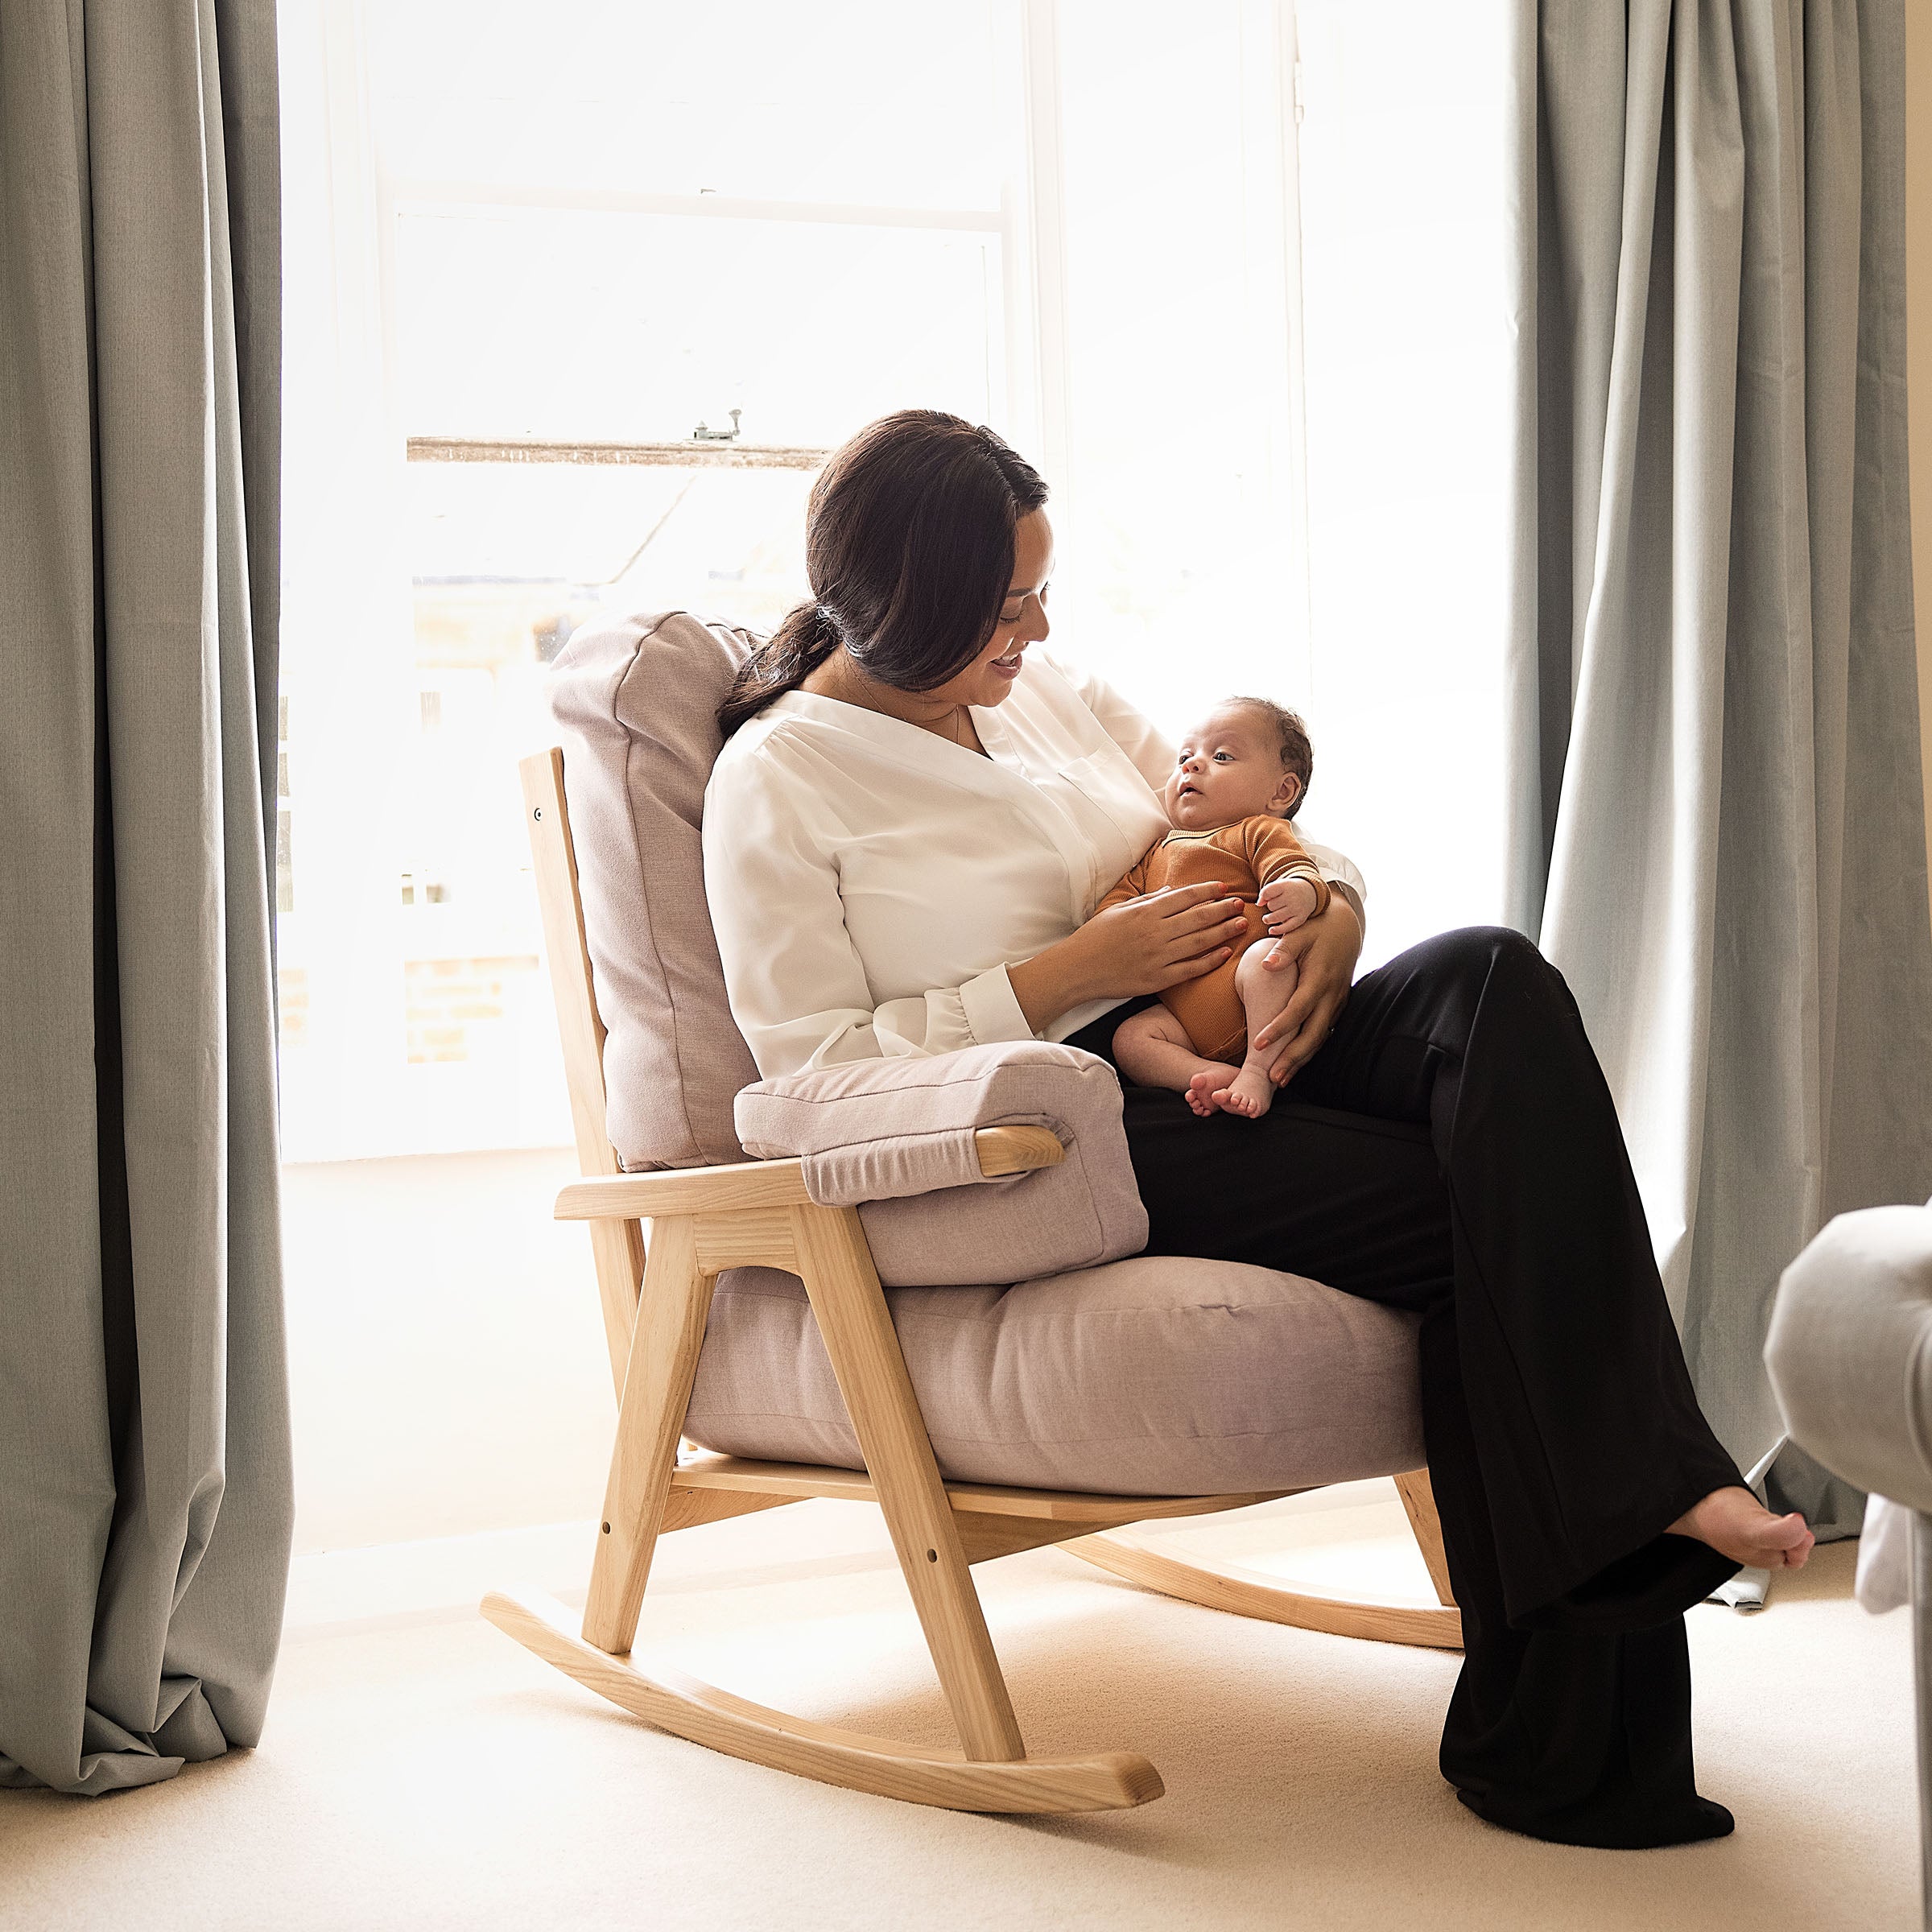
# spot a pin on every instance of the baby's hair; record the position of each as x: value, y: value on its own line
x: 1297, y: 754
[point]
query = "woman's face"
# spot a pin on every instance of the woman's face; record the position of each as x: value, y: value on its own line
x: 990, y: 678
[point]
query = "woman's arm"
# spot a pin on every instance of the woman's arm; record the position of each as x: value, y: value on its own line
x: 797, y: 988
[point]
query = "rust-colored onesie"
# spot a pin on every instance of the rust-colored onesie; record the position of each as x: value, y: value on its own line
x: 1244, y: 858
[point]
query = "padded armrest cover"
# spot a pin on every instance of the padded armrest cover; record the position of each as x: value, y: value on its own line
x: 893, y: 1137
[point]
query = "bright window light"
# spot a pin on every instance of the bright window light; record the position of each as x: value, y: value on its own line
x: 1409, y: 349
x: 576, y: 297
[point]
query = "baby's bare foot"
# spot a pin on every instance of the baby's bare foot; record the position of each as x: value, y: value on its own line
x: 1201, y: 1088
x: 1249, y: 1094
x: 1736, y: 1525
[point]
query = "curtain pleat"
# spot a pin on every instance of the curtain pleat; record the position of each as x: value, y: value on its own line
x: 145, y: 1495
x: 1717, y: 828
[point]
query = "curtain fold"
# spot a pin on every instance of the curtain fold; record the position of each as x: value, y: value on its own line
x: 145, y: 1492
x: 1717, y: 826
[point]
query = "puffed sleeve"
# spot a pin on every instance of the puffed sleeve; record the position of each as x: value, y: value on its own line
x: 797, y: 986
x: 1153, y: 753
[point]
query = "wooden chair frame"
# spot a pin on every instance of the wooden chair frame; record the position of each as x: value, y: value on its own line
x: 655, y: 1301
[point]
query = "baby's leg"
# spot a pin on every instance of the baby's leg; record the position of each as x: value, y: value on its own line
x: 1153, y: 1050
x: 1264, y: 993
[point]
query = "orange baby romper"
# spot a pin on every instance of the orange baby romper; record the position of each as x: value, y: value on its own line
x: 1243, y: 858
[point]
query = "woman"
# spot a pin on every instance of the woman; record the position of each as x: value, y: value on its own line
x: 904, y: 837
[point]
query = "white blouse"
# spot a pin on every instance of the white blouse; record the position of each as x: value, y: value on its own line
x: 869, y: 882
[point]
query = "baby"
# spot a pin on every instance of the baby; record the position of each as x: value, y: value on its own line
x: 1241, y: 774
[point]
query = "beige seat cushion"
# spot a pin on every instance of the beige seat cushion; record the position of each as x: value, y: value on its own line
x: 1144, y: 1377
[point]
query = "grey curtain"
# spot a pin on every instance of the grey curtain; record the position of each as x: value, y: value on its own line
x: 1718, y: 829
x: 144, y: 1476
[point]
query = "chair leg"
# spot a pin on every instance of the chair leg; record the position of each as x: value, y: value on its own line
x: 844, y: 1287
x: 1418, y: 1499
x: 666, y: 1337
x: 993, y: 1773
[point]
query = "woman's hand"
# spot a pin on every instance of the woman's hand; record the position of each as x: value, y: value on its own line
x: 1157, y: 941
x: 1143, y: 945
x: 1323, y: 952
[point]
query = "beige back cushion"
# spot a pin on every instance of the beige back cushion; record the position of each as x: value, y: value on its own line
x: 635, y: 700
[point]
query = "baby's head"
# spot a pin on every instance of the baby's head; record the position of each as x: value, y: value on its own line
x: 1248, y: 756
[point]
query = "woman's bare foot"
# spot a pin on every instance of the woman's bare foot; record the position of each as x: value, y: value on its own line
x: 1736, y: 1525
x: 1214, y: 1077
x: 1250, y: 1093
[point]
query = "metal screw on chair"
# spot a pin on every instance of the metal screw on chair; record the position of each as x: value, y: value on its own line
x: 537, y: 811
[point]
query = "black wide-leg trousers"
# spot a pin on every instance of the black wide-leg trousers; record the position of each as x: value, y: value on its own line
x: 1453, y: 1149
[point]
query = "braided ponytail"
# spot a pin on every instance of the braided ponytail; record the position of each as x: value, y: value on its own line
x: 792, y: 653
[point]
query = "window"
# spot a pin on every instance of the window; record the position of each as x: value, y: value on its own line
x: 578, y: 297
x: 1185, y: 570
x: 1409, y: 343
x: 608, y: 291
x: 531, y: 250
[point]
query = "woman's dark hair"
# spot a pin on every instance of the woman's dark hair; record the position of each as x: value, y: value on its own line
x: 909, y: 551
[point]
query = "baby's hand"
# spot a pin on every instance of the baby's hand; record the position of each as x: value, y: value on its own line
x: 1286, y: 904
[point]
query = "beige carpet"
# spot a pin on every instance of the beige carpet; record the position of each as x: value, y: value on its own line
x: 423, y: 1772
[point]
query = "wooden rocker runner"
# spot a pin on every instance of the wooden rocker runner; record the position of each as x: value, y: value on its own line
x: 707, y: 1219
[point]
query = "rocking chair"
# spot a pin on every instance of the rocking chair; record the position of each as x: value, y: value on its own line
x: 635, y: 700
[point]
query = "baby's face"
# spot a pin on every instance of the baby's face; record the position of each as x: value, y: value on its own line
x: 1228, y: 768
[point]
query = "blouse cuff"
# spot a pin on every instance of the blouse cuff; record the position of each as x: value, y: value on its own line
x: 993, y: 1009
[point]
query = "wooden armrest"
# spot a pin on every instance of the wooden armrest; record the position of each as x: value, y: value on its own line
x: 629, y: 1197
x: 1003, y: 1151
x: 750, y: 1184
